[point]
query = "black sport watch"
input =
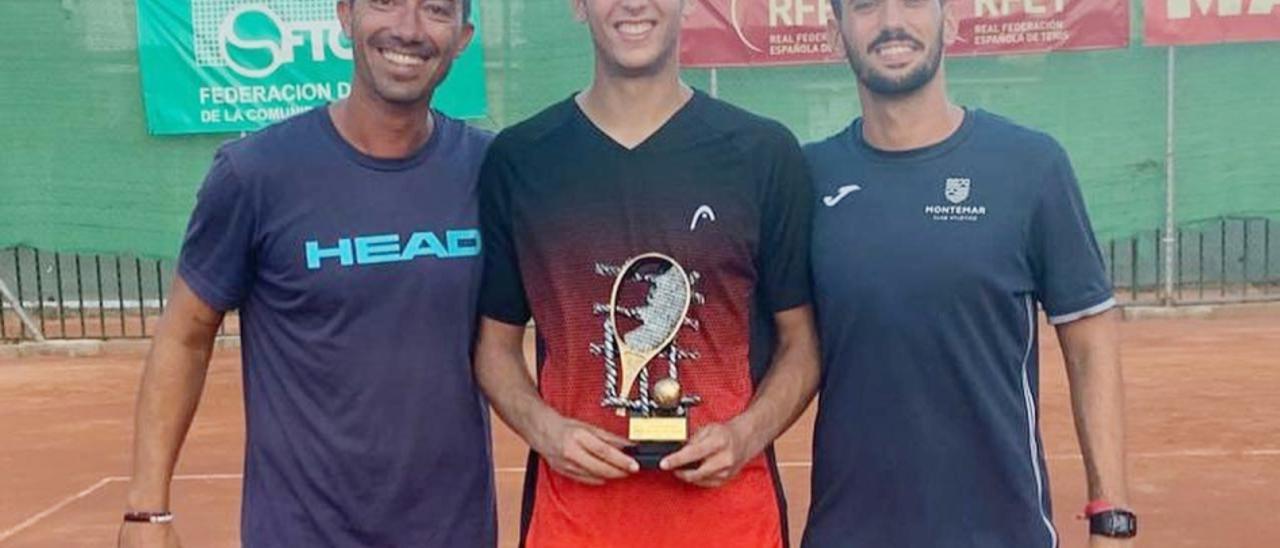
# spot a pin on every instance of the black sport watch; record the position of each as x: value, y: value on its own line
x: 1114, y: 523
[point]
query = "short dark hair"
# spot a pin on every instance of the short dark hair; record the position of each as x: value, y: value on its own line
x: 838, y: 6
x: 466, y: 8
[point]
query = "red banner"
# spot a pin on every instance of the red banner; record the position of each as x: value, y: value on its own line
x: 780, y: 32
x: 1173, y: 22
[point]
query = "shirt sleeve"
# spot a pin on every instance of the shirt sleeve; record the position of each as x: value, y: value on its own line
x: 216, y: 260
x: 1071, y: 281
x: 502, y: 295
x: 785, y: 228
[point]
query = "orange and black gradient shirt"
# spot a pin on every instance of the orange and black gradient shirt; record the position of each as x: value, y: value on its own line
x: 727, y: 195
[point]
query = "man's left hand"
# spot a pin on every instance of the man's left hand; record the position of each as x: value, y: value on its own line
x: 723, y: 449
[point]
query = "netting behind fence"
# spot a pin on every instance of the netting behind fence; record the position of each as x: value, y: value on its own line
x: 78, y: 172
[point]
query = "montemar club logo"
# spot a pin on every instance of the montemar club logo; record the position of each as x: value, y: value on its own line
x: 956, y: 191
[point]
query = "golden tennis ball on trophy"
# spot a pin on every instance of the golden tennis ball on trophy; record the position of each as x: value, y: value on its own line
x: 666, y: 393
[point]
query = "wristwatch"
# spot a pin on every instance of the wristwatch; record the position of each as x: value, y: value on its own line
x: 148, y: 517
x: 1109, y: 521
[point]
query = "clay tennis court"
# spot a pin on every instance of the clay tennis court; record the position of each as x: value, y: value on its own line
x: 1204, y: 441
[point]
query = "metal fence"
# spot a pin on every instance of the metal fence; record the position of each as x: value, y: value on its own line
x: 80, y: 296
x: 1216, y: 261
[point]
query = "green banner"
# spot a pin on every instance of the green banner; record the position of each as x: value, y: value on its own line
x: 215, y: 66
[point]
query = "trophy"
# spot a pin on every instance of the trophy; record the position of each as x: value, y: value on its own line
x: 648, y: 306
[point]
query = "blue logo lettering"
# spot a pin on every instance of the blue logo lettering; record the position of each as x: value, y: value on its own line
x: 424, y: 244
x: 342, y: 253
x: 385, y: 248
x: 463, y: 243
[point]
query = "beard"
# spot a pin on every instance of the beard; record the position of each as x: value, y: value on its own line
x: 882, y: 84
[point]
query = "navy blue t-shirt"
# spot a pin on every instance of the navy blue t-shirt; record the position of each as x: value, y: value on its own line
x: 929, y: 268
x: 356, y: 280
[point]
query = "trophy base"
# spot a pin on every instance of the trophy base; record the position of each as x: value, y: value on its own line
x: 650, y: 453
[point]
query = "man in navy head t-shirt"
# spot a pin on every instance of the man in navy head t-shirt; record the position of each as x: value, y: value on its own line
x: 348, y: 239
x: 938, y: 234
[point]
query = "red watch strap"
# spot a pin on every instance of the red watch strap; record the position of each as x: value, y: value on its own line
x: 1097, y: 507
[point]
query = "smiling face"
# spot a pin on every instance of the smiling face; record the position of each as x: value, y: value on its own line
x: 894, y: 46
x: 403, y: 48
x: 633, y: 37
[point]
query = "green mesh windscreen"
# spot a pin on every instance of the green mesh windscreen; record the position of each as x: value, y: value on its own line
x: 79, y: 173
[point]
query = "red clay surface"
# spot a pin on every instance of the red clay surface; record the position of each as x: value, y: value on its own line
x: 1204, y: 444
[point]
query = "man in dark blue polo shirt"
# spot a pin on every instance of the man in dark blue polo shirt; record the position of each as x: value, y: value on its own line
x: 939, y: 233
x: 348, y: 238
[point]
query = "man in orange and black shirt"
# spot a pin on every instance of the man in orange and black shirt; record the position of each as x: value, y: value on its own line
x: 641, y: 163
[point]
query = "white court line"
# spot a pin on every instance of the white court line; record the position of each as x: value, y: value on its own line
x: 1189, y: 453
x: 1186, y: 453
x: 90, y: 490
x: 50, y: 510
